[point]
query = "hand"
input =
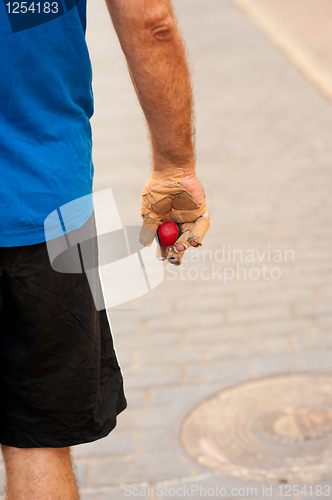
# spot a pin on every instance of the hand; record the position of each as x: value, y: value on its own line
x: 172, y: 194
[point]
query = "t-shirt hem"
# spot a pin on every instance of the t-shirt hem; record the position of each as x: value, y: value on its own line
x: 34, y: 237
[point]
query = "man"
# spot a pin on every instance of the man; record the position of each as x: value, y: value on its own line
x: 60, y: 381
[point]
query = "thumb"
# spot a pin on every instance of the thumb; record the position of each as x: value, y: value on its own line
x: 148, y: 230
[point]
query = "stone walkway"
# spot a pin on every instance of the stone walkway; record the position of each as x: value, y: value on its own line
x: 223, y: 317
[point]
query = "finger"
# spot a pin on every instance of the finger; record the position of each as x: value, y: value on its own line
x: 192, y: 233
x: 201, y: 225
x: 163, y: 252
x: 148, y: 230
x: 168, y: 253
x: 174, y: 257
x: 182, y: 243
x: 181, y: 248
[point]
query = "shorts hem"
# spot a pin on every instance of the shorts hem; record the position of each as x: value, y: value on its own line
x: 22, y: 440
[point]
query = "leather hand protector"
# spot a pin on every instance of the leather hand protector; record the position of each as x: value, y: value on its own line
x: 165, y: 198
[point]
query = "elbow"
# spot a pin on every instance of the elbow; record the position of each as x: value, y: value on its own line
x: 161, y: 25
x: 142, y: 27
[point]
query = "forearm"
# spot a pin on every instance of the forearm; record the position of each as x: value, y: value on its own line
x: 157, y: 64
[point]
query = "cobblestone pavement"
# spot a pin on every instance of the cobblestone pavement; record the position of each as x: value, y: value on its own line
x: 264, y: 156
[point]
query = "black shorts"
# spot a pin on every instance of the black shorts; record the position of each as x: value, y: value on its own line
x: 60, y: 380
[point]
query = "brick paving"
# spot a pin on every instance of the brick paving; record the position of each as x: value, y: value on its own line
x: 264, y: 155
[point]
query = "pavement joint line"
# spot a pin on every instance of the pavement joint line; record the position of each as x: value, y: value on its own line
x: 286, y: 43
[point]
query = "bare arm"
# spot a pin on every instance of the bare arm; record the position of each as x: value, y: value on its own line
x: 158, y: 68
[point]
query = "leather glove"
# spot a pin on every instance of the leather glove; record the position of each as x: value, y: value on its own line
x: 165, y: 198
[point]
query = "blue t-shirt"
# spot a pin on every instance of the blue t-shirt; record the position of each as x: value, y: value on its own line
x: 46, y: 104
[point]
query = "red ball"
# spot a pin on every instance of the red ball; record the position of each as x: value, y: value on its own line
x: 168, y: 233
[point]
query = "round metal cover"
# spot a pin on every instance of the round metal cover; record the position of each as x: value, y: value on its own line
x: 277, y: 428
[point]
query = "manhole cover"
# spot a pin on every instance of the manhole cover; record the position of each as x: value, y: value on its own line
x: 278, y: 428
